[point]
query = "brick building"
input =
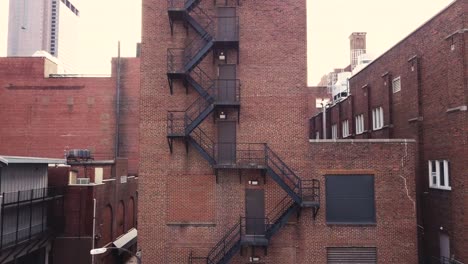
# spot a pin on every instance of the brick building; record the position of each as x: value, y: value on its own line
x: 46, y: 114
x: 228, y: 173
x: 418, y: 90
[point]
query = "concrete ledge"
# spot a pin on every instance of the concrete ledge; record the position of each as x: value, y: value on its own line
x: 192, y: 224
x: 371, y: 140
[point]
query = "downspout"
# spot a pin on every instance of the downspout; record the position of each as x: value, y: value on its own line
x: 117, y: 105
x: 324, y: 120
x: 94, y: 228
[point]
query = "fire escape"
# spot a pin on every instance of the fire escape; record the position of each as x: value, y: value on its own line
x: 219, y: 35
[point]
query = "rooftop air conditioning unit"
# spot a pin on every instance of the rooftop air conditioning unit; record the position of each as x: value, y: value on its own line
x: 82, y: 180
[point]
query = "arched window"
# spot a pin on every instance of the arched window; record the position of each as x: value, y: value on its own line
x: 130, y: 220
x: 121, y: 218
x: 106, y: 226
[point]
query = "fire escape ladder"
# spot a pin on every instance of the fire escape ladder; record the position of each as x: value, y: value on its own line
x: 203, y: 144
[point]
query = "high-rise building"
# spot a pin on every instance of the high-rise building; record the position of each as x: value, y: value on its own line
x: 357, y: 43
x: 49, y: 25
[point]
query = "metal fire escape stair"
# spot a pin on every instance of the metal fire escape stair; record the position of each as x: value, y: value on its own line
x: 300, y: 194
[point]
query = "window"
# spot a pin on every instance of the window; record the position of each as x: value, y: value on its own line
x: 345, y: 128
x: 377, y: 118
x: 350, y: 199
x: 396, y: 84
x: 334, y: 131
x: 359, y: 124
x: 439, y: 174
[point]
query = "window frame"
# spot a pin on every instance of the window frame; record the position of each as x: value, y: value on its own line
x: 345, y: 128
x: 436, y: 175
x: 359, y: 124
x: 334, y: 131
x: 377, y: 118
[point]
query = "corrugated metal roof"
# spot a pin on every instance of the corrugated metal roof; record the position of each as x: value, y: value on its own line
x: 30, y: 160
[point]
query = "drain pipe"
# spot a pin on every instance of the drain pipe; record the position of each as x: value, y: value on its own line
x: 117, y: 105
x: 324, y: 120
x: 94, y: 228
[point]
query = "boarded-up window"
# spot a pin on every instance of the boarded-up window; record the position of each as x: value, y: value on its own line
x: 350, y: 199
x: 345, y: 255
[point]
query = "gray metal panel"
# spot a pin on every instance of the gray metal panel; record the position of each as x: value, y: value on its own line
x: 349, y: 255
x: 350, y: 199
x: 32, y: 160
x: 20, y: 177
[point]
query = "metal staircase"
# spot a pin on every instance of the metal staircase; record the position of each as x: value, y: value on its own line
x: 183, y: 65
x: 238, y: 235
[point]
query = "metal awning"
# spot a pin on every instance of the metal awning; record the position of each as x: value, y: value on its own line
x: 3, y: 162
x: 127, y: 239
x: 30, y: 160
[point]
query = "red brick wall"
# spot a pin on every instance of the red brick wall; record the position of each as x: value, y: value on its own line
x: 274, y: 110
x: 46, y: 116
x: 433, y: 80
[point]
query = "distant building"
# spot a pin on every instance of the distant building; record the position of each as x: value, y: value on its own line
x: 49, y: 25
x: 357, y: 46
x: 417, y: 90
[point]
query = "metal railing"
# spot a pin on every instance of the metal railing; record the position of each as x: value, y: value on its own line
x: 27, y: 196
x: 27, y: 214
x: 176, y: 4
x: 240, y: 154
x: 175, y: 123
x: 204, y: 141
x: 227, y: 242
x: 311, y: 190
x: 276, y: 164
x: 444, y: 260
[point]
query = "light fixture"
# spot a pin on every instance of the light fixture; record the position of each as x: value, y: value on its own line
x: 222, y: 115
x: 222, y: 56
x: 254, y: 259
x: 253, y: 182
x: 99, y: 251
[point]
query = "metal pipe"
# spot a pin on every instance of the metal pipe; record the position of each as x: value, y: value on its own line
x: 94, y: 228
x: 117, y: 107
x: 324, y: 120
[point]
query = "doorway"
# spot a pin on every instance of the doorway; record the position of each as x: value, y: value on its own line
x: 255, y: 212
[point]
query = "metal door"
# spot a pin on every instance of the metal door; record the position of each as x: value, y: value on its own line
x: 227, y: 24
x: 444, y: 245
x: 226, y: 142
x: 254, y: 212
x: 226, y: 83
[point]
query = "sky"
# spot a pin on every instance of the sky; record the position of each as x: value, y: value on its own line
x: 330, y: 22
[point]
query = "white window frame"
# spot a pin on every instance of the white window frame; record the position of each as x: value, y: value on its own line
x: 377, y: 118
x: 435, y: 175
x: 345, y: 128
x: 359, y: 124
x: 396, y: 84
x: 334, y: 131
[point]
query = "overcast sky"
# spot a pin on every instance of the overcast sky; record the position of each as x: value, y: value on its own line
x: 330, y: 22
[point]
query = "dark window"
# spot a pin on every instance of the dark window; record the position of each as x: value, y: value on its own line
x: 442, y: 173
x: 350, y: 199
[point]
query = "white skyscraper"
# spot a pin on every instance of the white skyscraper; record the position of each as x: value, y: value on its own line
x: 50, y: 25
